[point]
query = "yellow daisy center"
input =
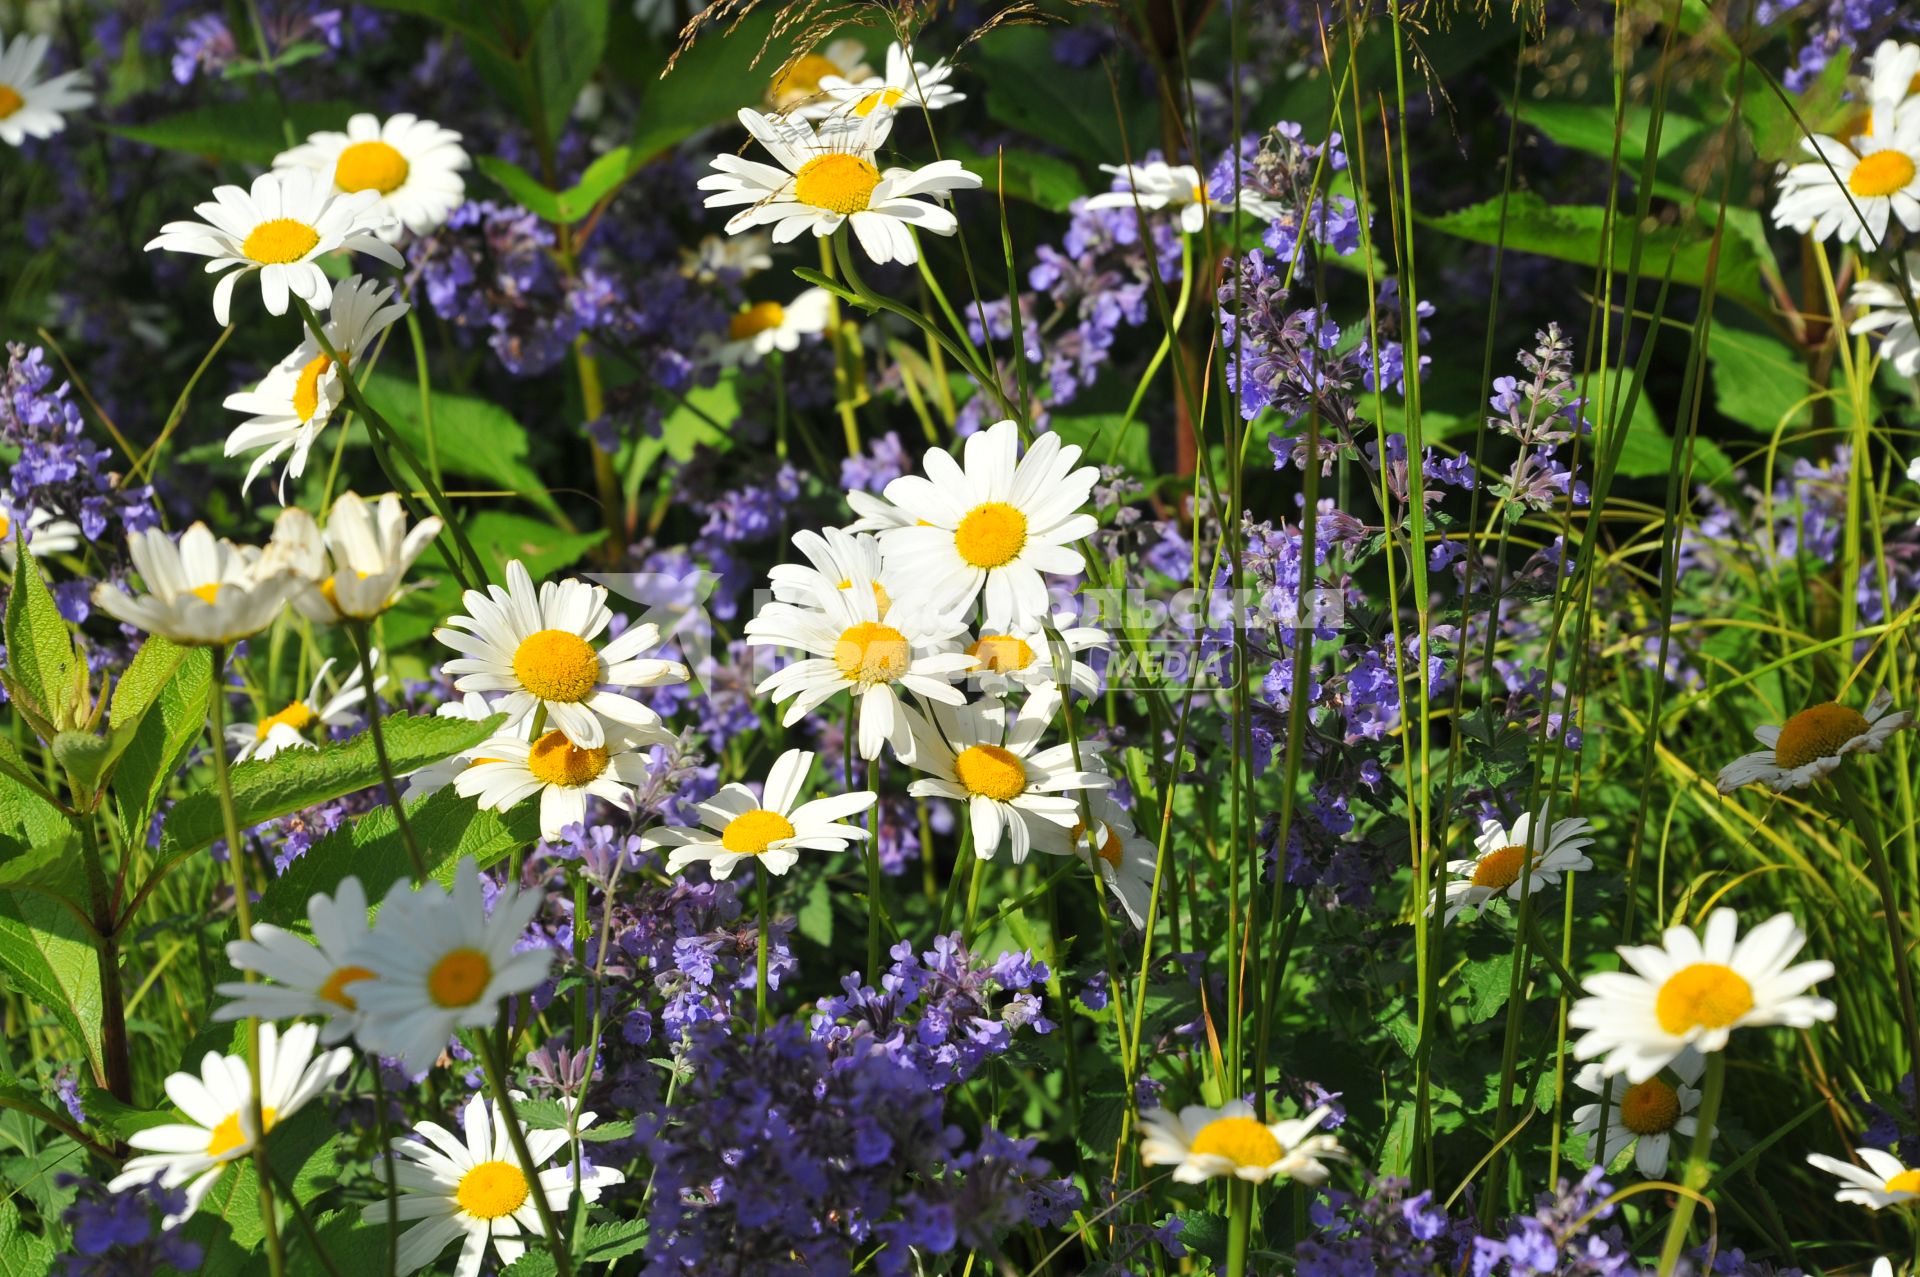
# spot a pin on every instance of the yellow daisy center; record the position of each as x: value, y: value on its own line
x: 459, y: 978
x: 991, y: 772
x: 6, y: 524
x: 756, y: 319
x: 1498, y: 870
x: 1881, y: 174
x: 992, y: 535
x: 492, y: 1189
x: 1904, y: 1182
x: 1240, y: 1140
x: 370, y: 166
x: 10, y: 100
x: 752, y: 832
x: 335, y: 988
x: 1705, y: 995
x: 557, y: 665
x: 228, y: 1136
x: 331, y: 593
x: 297, y: 716
x: 280, y: 240
x: 1817, y: 732
x: 1198, y: 195
x: 880, y: 598
x: 1001, y: 653
x: 802, y: 79
x: 871, y: 653
x: 1110, y: 849
x: 306, y: 387
x: 555, y: 760
x: 878, y: 99
x: 838, y: 183
x: 1650, y: 1108
x: 208, y: 593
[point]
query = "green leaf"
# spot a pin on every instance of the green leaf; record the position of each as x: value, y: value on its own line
x: 144, y: 680
x: 476, y: 439
x: 1820, y: 106
x: 235, y: 1198
x: 463, y: 16
x: 566, y: 49
x: 1046, y: 180
x: 39, y: 646
x: 550, y: 1115
x: 609, y: 1241
x: 1647, y: 451
x: 1589, y: 127
x: 245, y: 132
x: 1487, y: 982
x: 1027, y: 90
x: 297, y: 778
x: 84, y: 757
x: 21, y: 1253
x: 815, y: 919
x: 160, y: 744
x: 524, y: 189
x: 500, y: 535
x: 1101, y: 439
x: 1757, y: 380
x: 49, y: 955
x: 536, y: 1262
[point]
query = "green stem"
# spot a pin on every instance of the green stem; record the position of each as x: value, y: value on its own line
x: 873, y: 879
x: 387, y: 1161
x: 1696, y: 1172
x: 1239, y: 1226
x: 363, y: 645
x: 495, y: 1069
x: 426, y: 393
x: 760, y: 1019
x: 842, y: 365
x: 1868, y: 828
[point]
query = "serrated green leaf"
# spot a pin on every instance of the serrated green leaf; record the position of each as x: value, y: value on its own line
x: 40, y: 653
x: 351, y: 1245
x: 160, y: 743
x: 47, y: 951
x: 1758, y: 380
x: 551, y: 1115
x: 21, y: 1253
x: 611, y: 1240
x: 1486, y: 983
x: 145, y: 678
x: 815, y: 919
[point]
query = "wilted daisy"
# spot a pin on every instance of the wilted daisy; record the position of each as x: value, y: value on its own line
x: 536, y: 648
x: 1884, y: 1181
x: 1124, y: 858
x: 1028, y: 656
x: 757, y: 330
x: 771, y: 829
x: 1651, y: 1113
x: 367, y: 551
x: 474, y: 708
x: 412, y: 165
x: 1884, y: 311
x: 849, y: 648
x: 295, y: 726
x: 1853, y: 192
x: 219, y: 1109
x: 836, y: 560
x: 204, y: 591
x: 44, y: 532
x: 293, y: 402
x: 441, y: 962
x: 798, y: 85
x: 828, y: 178
x: 473, y: 1190
x: 1813, y: 743
x: 906, y: 84
x: 1694, y: 991
x: 311, y: 978
x: 992, y: 527
x: 30, y: 106
x: 506, y: 770
x: 1012, y: 788
x: 279, y: 227
x: 1500, y: 863
x: 1203, y: 1143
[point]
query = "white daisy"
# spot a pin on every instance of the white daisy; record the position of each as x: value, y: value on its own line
x: 1027, y: 657
x: 1124, y: 858
x: 721, y: 257
x: 828, y: 178
x: 203, y: 591
x: 849, y: 648
x: 906, y: 84
x: 1884, y: 1181
x: 293, y: 402
x: 1893, y: 76
x: 368, y: 549
x: 770, y: 829
x: 756, y: 331
x: 314, y: 978
x: 1813, y: 743
x: 219, y: 1108
x: 30, y: 106
x: 43, y: 530
x: 992, y: 527
x: 876, y: 514
x: 1652, y: 1112
x: 289, y: 728
x: 505, y: 770
x: 474, y: 1191
x: 1012, y: 788
x: 1501, y: 857
x: 1158, y: 185
x: 798, y: 86
x: 537, y: 648
x: 1694, y: 991
x: 1884, y: 311
x: 412, y: 165
x: 1854, y: 194
x: 1202, y: 1143
x: 474, y: 708
x: 441, y: 963
x: 836, y: 560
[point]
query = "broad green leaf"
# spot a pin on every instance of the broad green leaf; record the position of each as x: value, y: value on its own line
x: 39, y: 645
x: 1647, y: 451
x: 160, y: 743
x: 144, y: 679
x: 1821, y: 108
x: 611, y: 1240
x: 465, y: 16
x: 297, y: 778
x: 548, y: 1115
x: 1101, y: 440
x: 522, y: 187
x: 500, y: 535
x: 1071, y: 107
x: 22, y: 1254
x: 1045, y: 180
x: 354, y: 1247
x: 1758, y: 380
x: 567, y: 45
x: 474, y: 438
x: 47, y: 952
x: 1589, y: 127
x: 246, y: 132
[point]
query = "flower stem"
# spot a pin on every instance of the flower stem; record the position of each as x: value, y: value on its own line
x: 495, y: 1069
x: 1239, y: 1226
x: 1868, y: 828
x: 363, y: 645
x: 1695, y: 1177
x: 760, y: 876
x: 386, y: 1157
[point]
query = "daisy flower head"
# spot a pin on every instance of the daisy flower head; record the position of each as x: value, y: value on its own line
x: 905, y: 85
x: 474, y: 708
x: 836, y: 560
x: 29, y: 105
x: 536, y: 649
x: 1203, y: 1143
x: 309, y: 978
x: 291, y: 406
x: 474, y: 1191
x: 1854, y: 192
x: 849, y: 647
x: 1883, y: 308
x: 508, y: 769
x: 1124, y: 858
x: 368, y: 550
x: 294, y: 726
x: 1028, y: 657
x: 757, y: 330
x: 1500, y: 863
x: 726, y: 258
x: 796, y: 86
x: 441, y: 962
x: 1812, y: 743
x: 1648, y: 1115
x: 218, y: 1105
x: 1693, y: 991
x: 1013, y: 789
x: 993, y: 525
x: 279, y: 229
x: 1892, y: 82
x: 770, y: 829
x: 203, y: 592
x: 1883, y: 1181
x: 826, y: 178
x: 42, y: 529
x: 411, y: 165
x: 1157, y: 185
